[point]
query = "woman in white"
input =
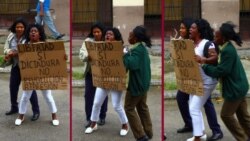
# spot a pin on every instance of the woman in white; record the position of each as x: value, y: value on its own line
x: 112, y: 34
x: 201, y: 33
x: 35, y: 33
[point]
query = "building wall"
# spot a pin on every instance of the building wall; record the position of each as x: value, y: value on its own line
x: 127, y: 15
x: 61, y: 15
x: 220, y: 11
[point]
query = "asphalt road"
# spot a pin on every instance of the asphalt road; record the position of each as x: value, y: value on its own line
x: 40, y: 130
x: 173, y: 121
x: 110, y: 131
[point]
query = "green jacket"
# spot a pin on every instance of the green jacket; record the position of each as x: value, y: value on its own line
x: 231, y: 72
x: 137, y: 62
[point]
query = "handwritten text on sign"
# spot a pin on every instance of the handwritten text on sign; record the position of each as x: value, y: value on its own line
x: 43, y: 66
x: 107, y: 66
x: 187, y: 72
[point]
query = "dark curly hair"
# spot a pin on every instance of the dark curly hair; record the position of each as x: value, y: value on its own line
x: 40, y: 29
x: 117, y: 33
x: 187, y: 23
x: 205, y: 30
x: 227, y: 31
x: 18, y: 20
x: 141, y: 34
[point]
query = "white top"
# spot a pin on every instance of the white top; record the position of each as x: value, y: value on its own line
x: 199, y: 51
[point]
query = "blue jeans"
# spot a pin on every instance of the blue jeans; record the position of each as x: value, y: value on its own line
x: 47, y: 19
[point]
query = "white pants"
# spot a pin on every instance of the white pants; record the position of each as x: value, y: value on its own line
x: 47, y: 96
x: 195, y: 105
x: 116, y: 97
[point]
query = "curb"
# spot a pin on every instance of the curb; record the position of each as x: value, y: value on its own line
x: 216, y: 94
x: 81, y: 83
x: 5, y: 70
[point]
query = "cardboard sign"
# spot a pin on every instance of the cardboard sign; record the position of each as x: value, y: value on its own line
x: 186, y: 69
x: 43, y: 66
x: 107, y: 66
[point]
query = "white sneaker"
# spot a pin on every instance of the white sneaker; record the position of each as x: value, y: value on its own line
x: 55, y: 122
x: 124, y: 132
x: 203, y: 138
x: 89, y: 130
x: 18, y: 121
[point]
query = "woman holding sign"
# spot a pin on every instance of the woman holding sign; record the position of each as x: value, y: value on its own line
x: 137, y: 62
x: 234, y: 83
x: 200, y: 33
x: 16, y: 37
x: 35, y: 34
x: 96, y: 34
x: 112, y: 34
x: 183, y: 98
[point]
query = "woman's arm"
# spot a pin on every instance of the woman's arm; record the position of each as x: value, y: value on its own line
x: 83, y: 54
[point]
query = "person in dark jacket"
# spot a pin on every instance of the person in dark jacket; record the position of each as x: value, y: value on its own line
x: 234, y: 82
x: 137, y: 62
x: 18, y: 29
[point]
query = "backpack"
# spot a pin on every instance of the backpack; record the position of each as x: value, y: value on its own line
x: 206, y: 48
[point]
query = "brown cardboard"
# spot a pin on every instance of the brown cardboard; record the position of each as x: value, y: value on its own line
x: 187, y: 72
x: 43, y: 66
x: 107, y: 66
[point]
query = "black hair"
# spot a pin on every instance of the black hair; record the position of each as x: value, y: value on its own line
x: 97, y: 25
x: 187, y: 23
x: 40, y: 29
x: 18, y: 20
x: 205, y: 30
x: 117, y: 33
x: 227, y: 31
x: 140, y: 33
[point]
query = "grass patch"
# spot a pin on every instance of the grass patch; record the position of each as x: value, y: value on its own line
x: 1, y: 59
x: 77, y: 75
x: 170, y: 86
x: 168, y: 66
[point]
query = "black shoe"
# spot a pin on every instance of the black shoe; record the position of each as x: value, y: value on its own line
x: 144, y: 138
x: 185, y: 130
x: 35, y: 117
x: 87, y: 124
x: 101, y: 122
x: 215, y: 137
x: 60, y: 36
x: 11, y: 112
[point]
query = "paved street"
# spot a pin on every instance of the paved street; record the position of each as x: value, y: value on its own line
x: 110, y: 131
x: 40, y: 130
x: 173, y: 121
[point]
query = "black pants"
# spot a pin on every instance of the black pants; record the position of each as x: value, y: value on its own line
x: 15, y: 80
x: 89, y: 98
x: 182, y: 100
